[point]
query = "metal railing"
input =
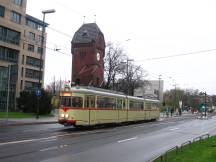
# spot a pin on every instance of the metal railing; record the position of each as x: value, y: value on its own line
x: 178, y: 149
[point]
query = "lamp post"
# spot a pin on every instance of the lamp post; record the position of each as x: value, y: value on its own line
x: 41, y: 59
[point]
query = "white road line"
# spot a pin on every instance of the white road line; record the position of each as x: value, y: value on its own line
x: 46, y: 138
x: 29, y: 140
x: 49, y: 148
x: 129, y: 139
x: 172, y: 129
x: 49, y: 140
x: 153, y: 124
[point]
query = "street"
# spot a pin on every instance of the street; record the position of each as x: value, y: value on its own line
x: 127, y: 143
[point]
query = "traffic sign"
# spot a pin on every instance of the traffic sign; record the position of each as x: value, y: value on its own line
x: 38, y: 92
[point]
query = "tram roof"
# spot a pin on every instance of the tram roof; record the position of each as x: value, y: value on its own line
x: 105, y: 92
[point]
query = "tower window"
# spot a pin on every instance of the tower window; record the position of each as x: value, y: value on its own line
x: 82, y: 55
x: 85, y: 33
x: 77, y: 81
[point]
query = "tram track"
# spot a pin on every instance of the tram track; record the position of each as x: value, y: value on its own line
x: 41, y: 133
x: 66, y: 138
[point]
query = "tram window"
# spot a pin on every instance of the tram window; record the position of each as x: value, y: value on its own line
x: 137, y: 105
x: 66, y: 101
x: 124, y: 105
x: 106, y: 102
x: 119, y: 104
x: 90, y: 101
x: 155, y: 106
x: 148, y: 105
x: 77, y: 102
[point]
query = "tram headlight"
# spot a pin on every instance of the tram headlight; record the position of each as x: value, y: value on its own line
x: 66, y: 115
x: 62, y: 115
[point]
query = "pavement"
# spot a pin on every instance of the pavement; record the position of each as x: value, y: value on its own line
x: 28, y: 121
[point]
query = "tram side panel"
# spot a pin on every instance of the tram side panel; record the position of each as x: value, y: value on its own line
x: 107, y: 111
x: 136, y: 110
x: 122, y: 110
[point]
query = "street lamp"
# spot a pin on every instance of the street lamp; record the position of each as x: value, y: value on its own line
x: 41, y: 59
x: 127, y: 73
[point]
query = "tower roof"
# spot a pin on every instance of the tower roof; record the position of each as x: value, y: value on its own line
x: 87, y: 33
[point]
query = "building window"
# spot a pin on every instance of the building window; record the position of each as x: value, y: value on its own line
x: 23, y: 58
x: 22, y: 71
x: 18, y: 2
x: 15, y: 17
x: 33, y: 62
x: 9, y: 36
x: 2, y: 11
x: 31, y: 47
x: 34, y: 74
x: 40, y: 50
x: 7, y: 54
x: 30, y: 86
x: 31, y: 36
x: 21, y: 85
x: 33, y: 25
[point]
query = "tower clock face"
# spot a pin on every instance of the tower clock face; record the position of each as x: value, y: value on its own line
x: 98, y: 56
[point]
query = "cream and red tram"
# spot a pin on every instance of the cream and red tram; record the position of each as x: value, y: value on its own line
x: 83, y: 106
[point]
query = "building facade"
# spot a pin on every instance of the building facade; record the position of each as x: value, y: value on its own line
x: 88, y: 51
x: 20, y: 48
x: 151, y: 89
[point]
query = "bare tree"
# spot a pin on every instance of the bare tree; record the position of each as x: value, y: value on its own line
x: 55, y: 86
x: 113, y: 61
x: 132, y: 78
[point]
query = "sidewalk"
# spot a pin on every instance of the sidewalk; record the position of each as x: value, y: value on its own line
x: 28, y: 121
x: 184, y: 114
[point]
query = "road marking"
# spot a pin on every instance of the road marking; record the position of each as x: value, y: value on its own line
x: 129, y: 139
x: 49, y: 140
x: 172, y: 129
x: 49, y: 148
x: 29, y: 140
x: 154, y: 124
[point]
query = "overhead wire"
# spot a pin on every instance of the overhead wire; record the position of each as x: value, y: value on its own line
x: 177, y: 55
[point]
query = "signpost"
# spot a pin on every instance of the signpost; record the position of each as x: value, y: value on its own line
x: 38, y: 92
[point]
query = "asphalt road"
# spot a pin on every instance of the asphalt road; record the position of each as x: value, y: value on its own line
x: 129, y: 143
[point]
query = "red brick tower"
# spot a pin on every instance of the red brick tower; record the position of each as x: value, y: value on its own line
x: 88, y: 50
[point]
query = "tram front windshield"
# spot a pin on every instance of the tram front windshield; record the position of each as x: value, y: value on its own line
x: 71, y: 101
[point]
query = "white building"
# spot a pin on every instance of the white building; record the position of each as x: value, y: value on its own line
x: 151, y: 89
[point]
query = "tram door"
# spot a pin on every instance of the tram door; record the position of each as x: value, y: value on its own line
x: 90, y: 106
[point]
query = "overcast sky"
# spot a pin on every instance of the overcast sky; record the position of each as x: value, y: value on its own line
x: 155, y: 29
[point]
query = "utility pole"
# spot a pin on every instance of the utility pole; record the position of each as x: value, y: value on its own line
x: 159, y: 87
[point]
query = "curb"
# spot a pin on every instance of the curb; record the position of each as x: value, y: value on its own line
x: 27, y: 123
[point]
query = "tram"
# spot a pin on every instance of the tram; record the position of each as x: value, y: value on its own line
x: 87, y: 106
